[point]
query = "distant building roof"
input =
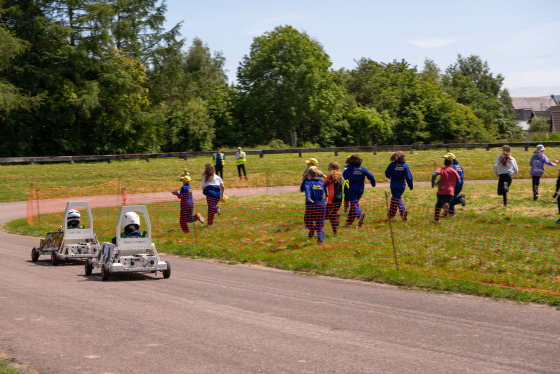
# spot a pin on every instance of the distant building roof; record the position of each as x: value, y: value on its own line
x: 533, y: 103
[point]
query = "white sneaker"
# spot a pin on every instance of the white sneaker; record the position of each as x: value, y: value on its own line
x: 219, y: 210
x: 200, y: 218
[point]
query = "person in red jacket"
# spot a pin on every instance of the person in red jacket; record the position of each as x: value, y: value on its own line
x: 333, y: 184
x: 446, y: 186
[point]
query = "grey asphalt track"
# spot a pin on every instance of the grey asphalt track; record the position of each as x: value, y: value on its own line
x: 212, y: 317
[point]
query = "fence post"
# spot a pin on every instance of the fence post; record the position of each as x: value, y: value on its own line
x: 300, y: 154
x: 374, y: 150
x: 336, y: 152
x: 411, y: 150
x: 487, y: 147
x: 262, y: 154
x: 38, y: 212
x: 391, y: 229
x: 526, y: 147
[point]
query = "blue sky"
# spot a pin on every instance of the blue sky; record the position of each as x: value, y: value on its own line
x: 518, y: 39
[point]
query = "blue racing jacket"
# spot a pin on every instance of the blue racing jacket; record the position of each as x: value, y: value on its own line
x: 314, y: 190
x: 459, y: 171
x: 356, y: 177
x: 400, y: 175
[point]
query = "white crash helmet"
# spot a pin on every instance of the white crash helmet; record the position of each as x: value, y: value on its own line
x: 131, y: 218
x: 73, y: 215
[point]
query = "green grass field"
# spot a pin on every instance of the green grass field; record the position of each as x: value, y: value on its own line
x: 15, y: 180
x: 487, y: 249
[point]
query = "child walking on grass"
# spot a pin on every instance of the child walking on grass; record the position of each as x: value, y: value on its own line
x: 187, y: 204
x: 399, y: 174
x: 314, y: 217
x: 356, y: 175
x: 213, y: 189
x: 446, y: 186
x: 334, y: 189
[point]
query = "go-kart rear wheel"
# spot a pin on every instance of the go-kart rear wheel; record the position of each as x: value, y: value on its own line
x: 55, y: 258
x: 105, y: 272
x: 34, y: 254
x: 89, y: 266
x: 167, y: 272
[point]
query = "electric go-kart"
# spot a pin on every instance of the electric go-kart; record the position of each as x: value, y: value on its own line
x: 73, y: 240
x: 130, y: 251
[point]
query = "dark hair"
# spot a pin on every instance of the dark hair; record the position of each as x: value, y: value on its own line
x: 354, y: 160
x: 209, y: 172
x: 448, y: 161
x: 397, y: 156
x: 505, y: 156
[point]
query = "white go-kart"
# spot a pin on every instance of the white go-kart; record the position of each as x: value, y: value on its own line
x: 129, y: 254
x: 73, y: 240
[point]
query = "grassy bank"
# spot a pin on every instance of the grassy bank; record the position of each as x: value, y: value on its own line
x: 487, y: 249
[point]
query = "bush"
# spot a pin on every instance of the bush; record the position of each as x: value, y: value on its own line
x: 277, y: 144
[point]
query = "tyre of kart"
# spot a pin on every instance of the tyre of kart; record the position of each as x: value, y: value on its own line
x: 89, y: 266
x: 55, y: 258
x: 105, y: 272
x: 34, y: 254
x: 167, y: 272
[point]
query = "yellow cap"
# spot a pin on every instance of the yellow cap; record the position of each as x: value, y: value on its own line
x: 312, y: 161
x: 186, y: 178
x: 450, y: 155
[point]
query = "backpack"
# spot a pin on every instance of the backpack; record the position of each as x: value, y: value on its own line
x: 338, y: 191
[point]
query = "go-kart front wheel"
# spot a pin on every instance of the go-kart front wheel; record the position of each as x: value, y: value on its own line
x: 105, y: 272
x: 55, y: 258
x: 167, y: 272
x: 89, y: 266
x: 34, y: 254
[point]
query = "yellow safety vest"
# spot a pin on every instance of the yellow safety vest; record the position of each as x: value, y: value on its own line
x: 223, y: 158
x: 240, y: 158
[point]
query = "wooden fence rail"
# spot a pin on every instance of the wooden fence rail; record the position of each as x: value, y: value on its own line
x: 300, y: 151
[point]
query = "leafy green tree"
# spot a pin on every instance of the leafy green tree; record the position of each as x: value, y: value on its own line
x: 413, y: 103
x: 471, y: 83
x: 194, y: 79
x: 11, y: 96
x: 539, y: 125
x: 287, y: 90
x: 94, y: 97
x: 137, y: 28
x: 431, y: 71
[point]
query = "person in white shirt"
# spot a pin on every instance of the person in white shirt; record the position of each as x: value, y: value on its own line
x: 213, y: 189
x: 505, y: 168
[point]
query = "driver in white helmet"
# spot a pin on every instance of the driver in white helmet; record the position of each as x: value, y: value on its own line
x: 131, y: 226
x: 73, y: 219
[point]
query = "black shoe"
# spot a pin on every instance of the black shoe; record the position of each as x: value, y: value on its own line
x: 506, y: 187
x: 555, y: 195
x: 404, y: 215
x: 462, y: 199
x: 535, y: 197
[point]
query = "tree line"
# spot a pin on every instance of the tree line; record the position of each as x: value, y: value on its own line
x: 105, y: 77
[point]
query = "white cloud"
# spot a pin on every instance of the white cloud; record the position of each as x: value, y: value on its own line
x: 432, y: 42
